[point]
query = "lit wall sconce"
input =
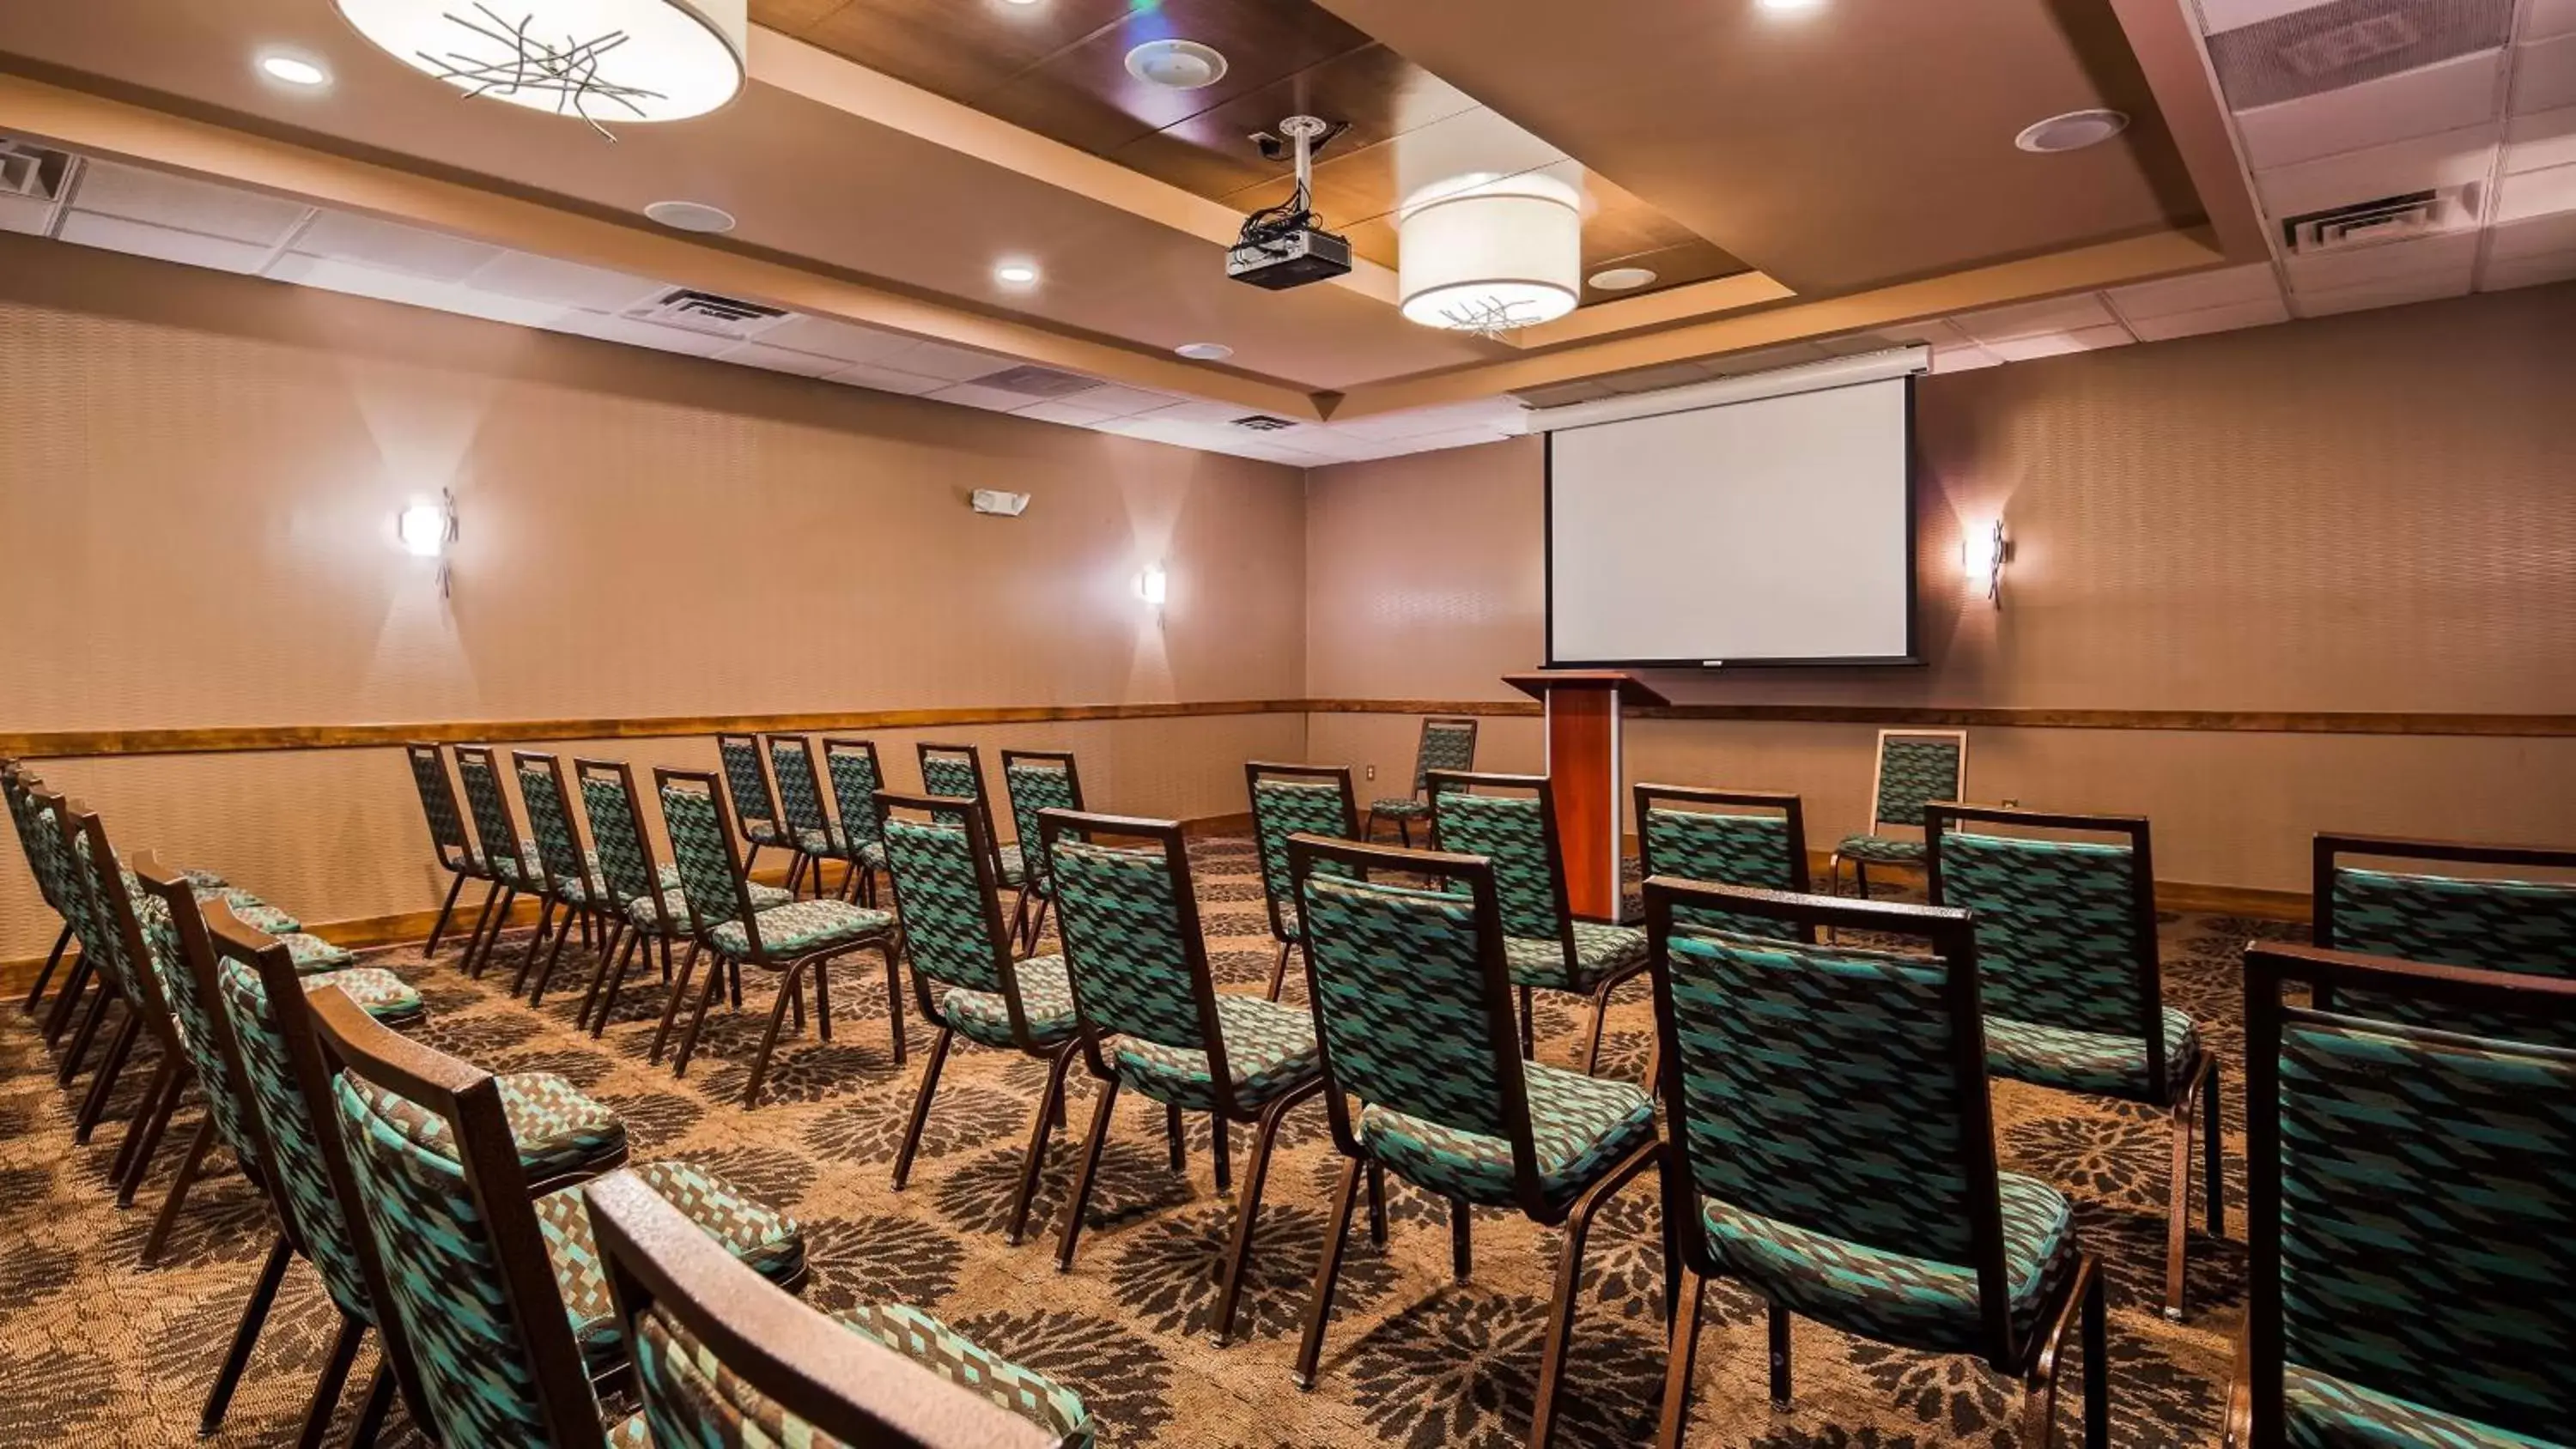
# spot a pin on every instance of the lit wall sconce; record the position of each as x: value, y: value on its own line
x: 1154, y: 585
x: 426, y: 529
x: 1982, y: 555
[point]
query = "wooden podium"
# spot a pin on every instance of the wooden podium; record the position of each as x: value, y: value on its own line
x: 1583, y: 768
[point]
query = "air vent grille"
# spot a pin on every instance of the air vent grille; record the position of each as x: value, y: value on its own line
x: 30, y: 170
x: 2309, y: 52
x: 1038, y: 382
x: 1262, y: 423
x: 2387, y: 219
x: 709, y: 313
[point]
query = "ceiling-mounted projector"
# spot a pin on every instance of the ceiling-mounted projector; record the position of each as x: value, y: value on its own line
x: 1281, y: 246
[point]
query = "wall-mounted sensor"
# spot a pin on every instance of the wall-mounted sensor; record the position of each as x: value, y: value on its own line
x: 999, y: 503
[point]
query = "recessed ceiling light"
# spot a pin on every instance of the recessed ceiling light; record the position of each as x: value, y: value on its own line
x: 1783, y: 7
x: 1016, y: 274
x: 1021, y: 2
x: 295, y: 70
x: 690, y: 216
x: 1180, y: 65
x: 1205, y: 351
x: 1621, y: 279
x: 2072, y: 132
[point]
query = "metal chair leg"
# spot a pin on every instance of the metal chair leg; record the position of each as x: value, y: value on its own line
x: 1377, y: 1203
x: 189, y: 1166
x: 537, y: 993
x: 78, y: 977
x: 789, y: 987
x: 1172, y: 1133
x: 921, y: 1106
x: 2185, y: 1109
x: 1247, y: 1210
x: 1279, y: 972
x: 1779, y: 1357
x: 2214, y: 1163
x: 438, y: 928
x: 103, y: 1084
x: 1091, y: 1145
x: 482, y: 918
x: 1049, y: 1106
x: 1328, y: 1268
x: 1221, y: 1146
x: 335, y: 1377
x: 219, y: 1397
x: 371, y: 1415
x: 84, y: 1035
x: 1462, y: 1248
x: 1680, y: 1361
x: 678, y: 991
x: 53, y: 958
x: 1569, y: 1282
x: 143, y: 1133
x: 537, y: 942
x: 698, y: 1018
x: 894, y: 1000
x: 613, y: 968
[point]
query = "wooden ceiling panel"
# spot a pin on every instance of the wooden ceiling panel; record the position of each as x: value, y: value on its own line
x: 960, y: 49
x: 1375, y: 93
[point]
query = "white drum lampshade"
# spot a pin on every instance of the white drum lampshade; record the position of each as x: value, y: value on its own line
x: 603, y: 60
x: 1490, y: 254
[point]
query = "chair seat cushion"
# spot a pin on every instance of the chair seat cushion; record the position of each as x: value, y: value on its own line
x: 1600, y: 950
x: 2088, y: 1061
x: 872, y: 855
x: 1400, y: 807
x: 1045, y: 996
x: 762, y: 832
x: 559, y: 1131
x: 249, y: 909
x: 522, y: 870
x: 826, y: 841
x: 1907, y: 1301
x: 1014, y: 866
x: 1880, y: 850
x: 313, y: 955
x: 675, y: 904
x: 937, y: 1347
x: 203, y: 879
x: 764, y: 1240
x: 1269, y: 1048
x: 1580, y: 1125
x: 378, y: 992
x: 1292, y: 927
x: 801, y: 927
x: 2320, y: 1411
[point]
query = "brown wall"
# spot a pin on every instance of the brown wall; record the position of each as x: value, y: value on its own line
x: 2366, y: 513
x: 198, y: 481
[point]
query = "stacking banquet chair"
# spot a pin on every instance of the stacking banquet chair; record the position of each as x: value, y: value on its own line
x: 956, y: 772
x: 573, y: 872
x: 1446, y: 744
x: 2074, y: 997
x: 755, y: 804
x: 1748, y: 838
x: 2412, y: 1201
x: 505, y: 1313
x: 456, y: 853
x: 22, y: 816
x: 966, y: 977
x: 1291, y: 800
x: 1915, y: 768
x: 1036, y: 780
x: 723, y: 1358
x: 517, y: 864
x: 2481, y: 921
x: 1152, y: 1018
x: 1544, y: 942
x: 856, y: 778
x: 789, y: 939
x: 264, y: 1026
x: 805, y: 825
x: 1412, y: 998
x: 644, y: 892
x: 1832, y: 1148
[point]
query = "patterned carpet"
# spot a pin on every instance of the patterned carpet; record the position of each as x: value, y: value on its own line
x: 93, y: 1349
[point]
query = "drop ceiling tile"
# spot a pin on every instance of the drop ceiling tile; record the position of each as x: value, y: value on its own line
x: 2549, y: 17
x: 2426, y: 101
x: 165, y: 243
x: 1070, y: 414
x: 2450, y: 160
x: 135, y: 194
x: 2223, y: 15
x: 2531, y: 236
x: 831, y: 337
x: 779, y: 359
x: 25, y: 214
x: 1930, y: 332
x: 1441, y: 442
x: 954, y: 364
x: 1272, y: 453
x: 991, y: 399
x: 885, y: 379
x: 1962, y: 359
x: 1213, y: 413
x: 1121, y: 402
x: 2064, y: 314
x: 633, y: 333
x: 370, y: 242
x: 2225, y: 318
x: 2503, y: 276
x: 2541, y: 140
x: 2392, y: 292
x: 2528, y: 194
x: 2352, y: 266
x: 1651, y: 379
x: 2226, y: 287
x: 2058, y: 344
x: 566, y: 284
x: 2544, y: 75
x: 1766, y: 359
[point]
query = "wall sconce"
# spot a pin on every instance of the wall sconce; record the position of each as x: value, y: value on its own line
x: 426, y: 529
x: 1154, y: 585
x: 1982, y: 556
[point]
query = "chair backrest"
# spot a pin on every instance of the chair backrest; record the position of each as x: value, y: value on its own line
x: 2482, y: 921
x: 1838, y: 1090
x: 550, y: 820
x: 1291, y: 800
x: 1516, y: 830
x: 1750, y: 838
x: 1038, y: 780
x: 800, y: 789
x: 1446, y: 744
x: 438, y: 803
x: 39, y: 839
x: 956, y: 772
x: 1915, y: 768
x: 856, y: 778
x: 174, y: 935
x: 725, y: 1357
x: 494, y: 823
x: 2066, y: 928
x: 702, y: 844
x: 434, y: 1173
x: 2411, y: 1194
x: 82, y: 909
x: 113, y: 915
x: 950, y: 898
x: 1133, y: 949
x: 618, y: 828
x: 1411, y: 995
x: 746, y: 781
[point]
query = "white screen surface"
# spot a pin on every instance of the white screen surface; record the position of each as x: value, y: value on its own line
x: 1779, y: 528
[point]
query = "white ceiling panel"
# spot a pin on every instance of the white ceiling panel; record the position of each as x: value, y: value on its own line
x: 2218, y: 15
x: 166, y: 243
x: 2063, y: 314
x: 639, y: 334
x: 374, y: 243
x: 2544, y: 75
x: 2525, y: 195
x: 25, y: 214
x: 1070, y: 414
x: 2549, y: 17
x: 2430, y: 99
x: 2352, y: 266
x: 175, y: 201
x: 1962, y: 359
x: 2058, y: 344
x: 1119, y: 402
x: 2228, y: 286
x: 885, y: 379
x: 565, y: 284
x: 2534, y: 236
x: 1764, y: 359
x: 2451, y: 160
x: 2392, y: 292
x: 779, y: 359
x: 938, y: 359
x: 991, y: 399
x: 825, y: 337
x: 2541, y: 140
x: 2168, y: 325
x: 2528, y: 271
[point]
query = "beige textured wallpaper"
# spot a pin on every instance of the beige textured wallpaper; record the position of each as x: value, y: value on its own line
x: 2365, y: 513
x: 199, y: 481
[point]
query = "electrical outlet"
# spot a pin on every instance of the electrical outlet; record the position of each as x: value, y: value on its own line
x: 1372, y: 772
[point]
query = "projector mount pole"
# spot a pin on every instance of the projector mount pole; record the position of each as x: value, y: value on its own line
x: 1304, y: 132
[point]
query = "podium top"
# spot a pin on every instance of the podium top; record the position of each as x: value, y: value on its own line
x: 1631, y: 690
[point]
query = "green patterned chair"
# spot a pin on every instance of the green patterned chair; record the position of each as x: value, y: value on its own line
x: 725, y: 1361
x: 806, y: 826
x: 1412, y: 998
x: 856, y: 777
x: 966, y: 978
x: 2485, y: 920
x: 573, y: 873
x: 956, y: 772
x: 737, y: 931
x: 1446, y: 744
x: 1289, y: 800
x: 2066, y: 939
x: 510, y: 852
x: 2412, y: 1195
x: 1832, y: 1149
x: 1548, y: 947
x: 447, y: 839
x: 1915, y: 768
x: 1035, y: 780
x: 755, y: 804
x: 1153, y: 1020
x: 266, y: 1011
x: 505, y: 1313
x: 22, y: 816
x: 1751, y: 838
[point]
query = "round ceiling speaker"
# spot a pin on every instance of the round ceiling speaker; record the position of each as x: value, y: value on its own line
x: 1620, y: 279
x: 2071, y: 132
x: 602, y: 60
x: 1179, y: 65
x: 1204, y: 351
x: 690, y: 216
